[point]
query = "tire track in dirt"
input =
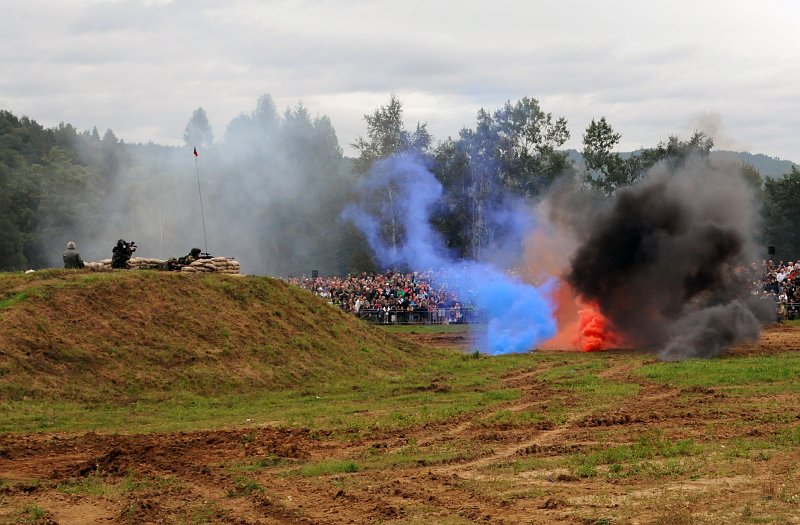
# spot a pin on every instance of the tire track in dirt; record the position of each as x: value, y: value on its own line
x: 550, y: 441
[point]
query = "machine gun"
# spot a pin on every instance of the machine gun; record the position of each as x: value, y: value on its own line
x: 176, y: 263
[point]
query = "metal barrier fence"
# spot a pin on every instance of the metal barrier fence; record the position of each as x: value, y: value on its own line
x: 437, y: 316
x: 788, y: 311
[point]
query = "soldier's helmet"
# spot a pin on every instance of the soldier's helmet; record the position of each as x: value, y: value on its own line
x: 195, y: 251
x: 70, y: 245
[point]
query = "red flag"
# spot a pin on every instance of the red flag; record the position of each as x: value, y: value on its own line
x: 195, y: 151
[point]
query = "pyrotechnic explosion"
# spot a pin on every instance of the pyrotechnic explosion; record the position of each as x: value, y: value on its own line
x: 657, y: 263
x: 652, y: 267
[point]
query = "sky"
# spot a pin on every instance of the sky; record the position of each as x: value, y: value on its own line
x: 652, y: 68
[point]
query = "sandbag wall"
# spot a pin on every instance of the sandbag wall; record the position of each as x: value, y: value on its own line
x: 215, y: 264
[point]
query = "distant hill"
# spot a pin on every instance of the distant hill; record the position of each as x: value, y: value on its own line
x: 766, y: 166
x: 117, y: 337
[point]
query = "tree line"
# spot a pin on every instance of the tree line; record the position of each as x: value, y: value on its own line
x: 275, y: 183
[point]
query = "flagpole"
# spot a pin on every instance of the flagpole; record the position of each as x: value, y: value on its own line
x: 200, y: 193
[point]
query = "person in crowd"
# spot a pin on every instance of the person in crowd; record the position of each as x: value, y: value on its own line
x: 72, y: 259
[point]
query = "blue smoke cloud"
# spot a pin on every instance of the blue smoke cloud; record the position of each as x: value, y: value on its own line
x: 396, y: 201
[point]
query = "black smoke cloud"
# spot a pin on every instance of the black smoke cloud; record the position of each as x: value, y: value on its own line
x: 660, y: 259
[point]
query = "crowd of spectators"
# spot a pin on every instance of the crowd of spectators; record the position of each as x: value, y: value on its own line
x: 390, y: 297
x: 396, y: 297
x: 778, y: 282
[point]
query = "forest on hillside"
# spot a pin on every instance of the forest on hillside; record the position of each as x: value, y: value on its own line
x: 271, y: 190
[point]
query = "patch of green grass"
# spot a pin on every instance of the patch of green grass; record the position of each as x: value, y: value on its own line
x: 582, y: 378
x: 584, y: 470
x: 243, y: 485
x: 93, y: 485
x: 203, y: 514
x: 530, y: 464
x: 565, y: 374
x: 96, y: 485
x: 324, y: 468
x: 413, y: 454
x: 512, y: 418
x: 744, y: 448
x: 789, y: 437
x: 30, y: 514
x: 598, y: 390
x: 648, y: 446
x: 443, y: 388
x: 501, y: 491
x: 741, y: 371
x: 15, y: 298
x: 425, y: 328
x: 263, y: 463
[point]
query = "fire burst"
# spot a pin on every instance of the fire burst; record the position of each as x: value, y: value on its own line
x: 594, y: 330
x: 581, y: 325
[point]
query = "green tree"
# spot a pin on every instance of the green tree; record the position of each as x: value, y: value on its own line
x: 782, y: 214
x: 608, y: 171
x: 285, y: 173
x: 605, y: 170
x: 11, y: 239
x: 71, y: 199
x: 387, y: 136
x: 198, y: 131
x: 511, y: 153
x: 265, y: 115
x: 314, y: 161
x: 752, y: 176
x: 483, y: 182
x: 527, y: 147
x: 673, y: 153
x: 451, y: 167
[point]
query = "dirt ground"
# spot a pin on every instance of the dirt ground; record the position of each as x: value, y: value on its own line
x: 188, y: 477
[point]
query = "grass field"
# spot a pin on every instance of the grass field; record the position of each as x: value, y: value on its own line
x: 572, y: 429
x: 429, y: 435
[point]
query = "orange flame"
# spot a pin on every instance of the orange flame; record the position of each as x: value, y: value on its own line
x: 594, y: 331
x: 581, y: 326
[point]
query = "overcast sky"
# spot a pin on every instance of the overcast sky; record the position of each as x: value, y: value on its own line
x: 652, y: 68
